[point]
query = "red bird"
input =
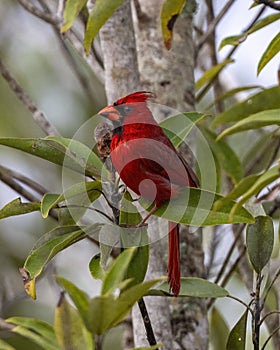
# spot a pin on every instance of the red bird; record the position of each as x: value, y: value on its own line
x: 148, y: 164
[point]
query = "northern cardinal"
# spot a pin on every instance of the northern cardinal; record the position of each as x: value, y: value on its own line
x: 148, y: 164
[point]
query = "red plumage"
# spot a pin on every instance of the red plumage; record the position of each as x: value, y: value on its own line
x: 148, y: 163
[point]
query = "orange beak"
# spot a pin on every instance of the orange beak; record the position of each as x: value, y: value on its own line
x: 111, y: 113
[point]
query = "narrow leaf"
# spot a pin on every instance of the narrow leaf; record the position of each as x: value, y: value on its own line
x: 177, y: 127
x: 192, y: 287
x: 255, y: 121
x: 261, y: 154
x: 69, y: 153
x: 169, y: 13
x: 17, y: 207
x: 233, y: 92
x: 211, y: 73
x: 237, y: 336
x: 129, y: 215
x: 239, y: 189
x: 69, y: 328
x: 264, y: 100
x: 47, y: 247
x: 5, y: 346
x: 79, y: 297
x: 95, y: 268
x: 71, y: 11
x: 265, y: 179
x: 272, y: 49
x: 38, y: 331
x: 225, y: 156
x: 80, y: 194
x: 154, y: 347
x: 237, y: 39
x: 259, y: 240
x: 194, y: 207
x: 218, y: 330
x: 116, y: 274
x: 102, y: 10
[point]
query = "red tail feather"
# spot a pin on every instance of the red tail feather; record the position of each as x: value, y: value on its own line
x: 174, y: 258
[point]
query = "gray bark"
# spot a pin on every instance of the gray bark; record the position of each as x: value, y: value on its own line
x: 119, y: 53
x: 170, y: 75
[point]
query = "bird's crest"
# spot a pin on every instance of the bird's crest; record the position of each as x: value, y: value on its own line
x: 139, y: 96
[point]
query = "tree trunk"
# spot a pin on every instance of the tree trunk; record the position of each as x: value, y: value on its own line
x: 170, y: 75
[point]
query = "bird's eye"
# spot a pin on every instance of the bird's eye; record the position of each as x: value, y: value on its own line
x: 126, y: 110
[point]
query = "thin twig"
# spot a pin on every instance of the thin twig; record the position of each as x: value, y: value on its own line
x: 24, y: 179
x: 147, y: 322
x: 271, y: 313
x: 229, y: 254
x: 233, y: 267
x: 38, y: 116
x: 212, y: 26
x: 270, y: 337
x: 229, y: 55
x: 241, y: 302
x: 47, y: 17
x: 228, y: 275
x: 270, y: 286
x: 9, y: 181
x: 269, y: 3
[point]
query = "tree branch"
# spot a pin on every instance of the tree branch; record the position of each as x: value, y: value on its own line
x: 212, y: 26
x: 38, y: 116
x: 269, y: 3
x: 45, y: 16
x: 147, y: 322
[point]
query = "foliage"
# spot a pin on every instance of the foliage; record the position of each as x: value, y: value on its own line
x: 86, y: 321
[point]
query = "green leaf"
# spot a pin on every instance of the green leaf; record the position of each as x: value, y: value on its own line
x: 225, y: 156
x: 192, y: 287
x: 194, y: 206
x: 261, y: 154
x: 154, y: 347
x: 16, y: 207
x: 177, y: 127
x: 69, y: 328
x: 49, y: 245
x: 69, y: 153
x: 95, y: 268
x: 170, y: 11
x: 102, y: 316
x: 129, y: 215
x: 79, y: 153
x: 237, y: 336
x: 255, y: 121
x: 272, y: 49
x: 71, y: 11
x: 238, y: 190
x: 237, y: 39
x: 102, y: 10
x: 218, y: 330
x: 231, y: 93
x: 262, y: 181
x: 259, y: 240
x: 79, y: 297
x: 80, y: 194
x: 38, y: 331
x: 211, y: 73
x: 116, y: 274
x: 5, y: 346
x: 264, y: 100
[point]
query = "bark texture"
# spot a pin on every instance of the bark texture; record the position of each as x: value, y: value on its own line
x: 140, y: 61
x: 119, y: 53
